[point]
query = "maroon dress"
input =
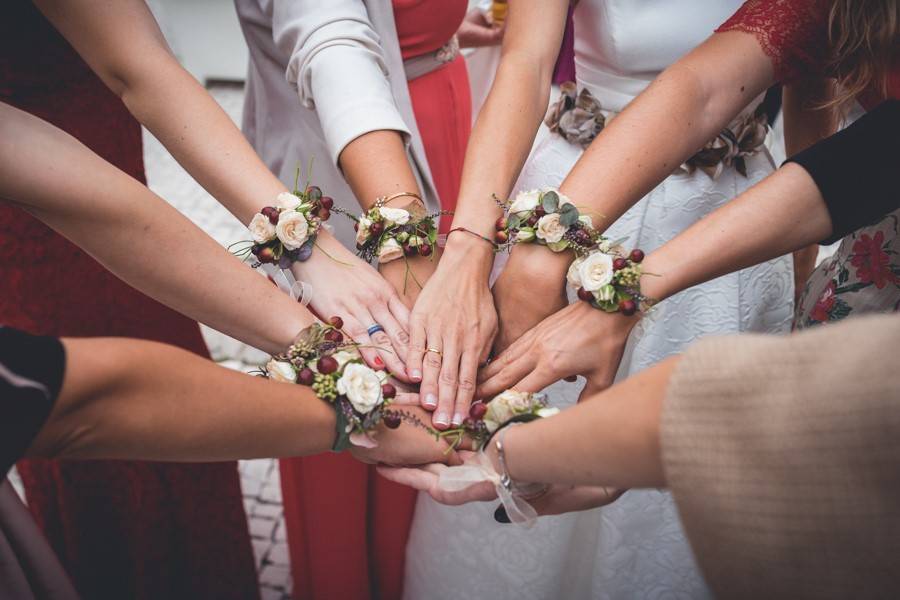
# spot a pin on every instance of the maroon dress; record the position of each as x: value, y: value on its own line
x: 122, y: 529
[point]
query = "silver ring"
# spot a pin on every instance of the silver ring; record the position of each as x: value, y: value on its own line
x: 372, y: 330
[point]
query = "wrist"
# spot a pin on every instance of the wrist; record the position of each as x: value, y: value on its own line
x: 657, y: 279
x: 540, y: 265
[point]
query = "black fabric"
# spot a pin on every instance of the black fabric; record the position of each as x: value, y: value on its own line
x: 31, y: 374
x: 857, y: 170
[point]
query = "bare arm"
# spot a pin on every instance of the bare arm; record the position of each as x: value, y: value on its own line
x: 138, y: 236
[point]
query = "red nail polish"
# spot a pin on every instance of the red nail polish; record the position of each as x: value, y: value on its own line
x: 378, y: 362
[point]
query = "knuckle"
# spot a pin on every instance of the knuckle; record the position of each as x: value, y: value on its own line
x: 381, y: 339
x: 466, y: 384
x: 432, y: 360
x: 403, y: 337
x: 447, y: 378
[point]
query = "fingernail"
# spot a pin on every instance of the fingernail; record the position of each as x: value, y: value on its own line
x: 441, y: 418
x: 431, y: 401
x: 378, y: 362
x: 416, y: 374
x: 501, y: 516
x: 458, y: 419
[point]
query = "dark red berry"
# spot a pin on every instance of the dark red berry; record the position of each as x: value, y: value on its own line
x: 410, y: 250
x: 425, y: 250
x: 376, y: 228
x: 255, y: 248
x: 501, y: 224
x: 582, y: 237
x: 468, y: 423
x: 539, y: 211
x: 392, y: 420
x: 619, y: 264
x: 336, y: 322
x: 327, y: 202
x: 306, y: 376
x: 637, y: 255
x: 272, y: 213
x: 323, y: 213
x: 628, y: 307
x: 532, y: 220
x: 388, y: 390
x: 478, y: 410
x: 266, y: 255
x: 327, y: 365
x: 501, y: 237
x: 314, y: 193
x: 585, y: 295
x: 333, y: 335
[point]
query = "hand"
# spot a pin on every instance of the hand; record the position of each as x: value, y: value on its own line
x: 345, y: 286
x: 452, y: 326
x: 578, y: 340
x: 476, y: 31
x: 530, y: 288
x: 409, y: 276
x: 409, y: 444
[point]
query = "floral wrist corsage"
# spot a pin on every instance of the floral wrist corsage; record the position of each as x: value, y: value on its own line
x: 548, y: 218
x: 386, y: 233
x: 609, y: 280
x: 286, y: 232
x: 322, y: 359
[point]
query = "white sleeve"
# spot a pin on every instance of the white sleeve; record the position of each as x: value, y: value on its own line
x: 337, y: 66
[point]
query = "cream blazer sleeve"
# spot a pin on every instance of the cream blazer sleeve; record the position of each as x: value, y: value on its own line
x: 338, y: 67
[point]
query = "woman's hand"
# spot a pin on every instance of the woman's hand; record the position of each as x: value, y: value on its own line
x: 345, y: 286
x: 578, y: 340
x: 476, y: 31
x: 408, y: 444
x: 452, y: 326
x: 409, y: 275
x: 528, y: 290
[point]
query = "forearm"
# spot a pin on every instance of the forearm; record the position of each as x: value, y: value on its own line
x: 611, y: 439
x: 375, y: 165
x: 129, y: 399
x: 782, y: 213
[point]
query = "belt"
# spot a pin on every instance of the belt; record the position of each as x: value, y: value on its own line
x: 417, y: 66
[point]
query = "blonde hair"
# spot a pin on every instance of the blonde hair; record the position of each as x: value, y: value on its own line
x: 863, y: 38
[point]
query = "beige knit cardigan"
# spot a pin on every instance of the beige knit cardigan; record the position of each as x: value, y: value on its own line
x: 783, y: 454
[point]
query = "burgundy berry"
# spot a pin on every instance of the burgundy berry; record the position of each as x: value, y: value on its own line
x: 255, y: 248
x: 585, y: 295
x: 333, y: 335
x: 376, y: 228
x: 628, y: 307
x: 272, y: 213
x: 501, y: 237
x: 266, y: 255
x: 532, y: 220
x: 391, y: 420
x: 306, y: 376
x: 356, y: 227
x: 314, y: 193
x: 388, y: 390
x: 501, y: 224
x: 336, y: 322
x: 327, y: 365
x: 425, y: 250
x: 619, y: 264
x: 637, y: 255
x: 323, y: 213
x: 468, y: 423
x: 539, y: 211
x: 478, y: 410
x: 327, y: 202
x: 409, y: 250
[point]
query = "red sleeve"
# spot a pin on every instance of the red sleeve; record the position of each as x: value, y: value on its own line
x: 793, y: 33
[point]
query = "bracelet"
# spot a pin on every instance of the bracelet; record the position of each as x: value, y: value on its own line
x: 609, y: 280
x: 478, y: 235
x: 386, y: 234
x: 548, y: 218
x: 321, y: 357
x: 286, y: 232
x: 382, y: 200
x: 528, y: 491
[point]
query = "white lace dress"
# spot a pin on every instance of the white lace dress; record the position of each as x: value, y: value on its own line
x: 634, y: 548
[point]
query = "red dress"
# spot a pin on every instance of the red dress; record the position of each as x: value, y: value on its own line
x: 347, y: 527
x: 122, y: 529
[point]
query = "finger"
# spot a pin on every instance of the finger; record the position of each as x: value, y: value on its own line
x: 401, y: 313
x: 378, y: 343
x: 396, y: 333
x: 416, y: 353
x: 447, y: 386
x: 417, y: 478
x: 536, y: 380
x: 394, y: 365
x: 507, y: 377
x: 465, y: 388
x: 431, y: 369
x: 354, y: 327
x: 502, y: 361
x: 405, y: 399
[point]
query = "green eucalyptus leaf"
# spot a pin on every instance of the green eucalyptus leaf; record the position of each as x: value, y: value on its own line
x: 550, y: 201
x: 567, y: 218
x: 513, y: 221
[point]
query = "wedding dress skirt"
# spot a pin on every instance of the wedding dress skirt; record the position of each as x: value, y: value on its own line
x: 634, y: 548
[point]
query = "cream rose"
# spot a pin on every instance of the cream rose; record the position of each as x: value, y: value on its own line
x: 394, y: 216
x: 362, y: 231
x: 526, y: 234
x: 261, y: 228
x: 292, y: 229
x: 550, y: 229
x: 518, y: 402
x: 595, y: 271
x: 525, y: 201
x: 287, y: 200
x: 343, y: 357
x: 361, y: 385
x: 281, y: 371
x: 390, y: 250
x: 587, y: 221
x: 547, y: 411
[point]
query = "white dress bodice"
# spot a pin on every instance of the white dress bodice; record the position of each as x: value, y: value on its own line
x: 622, y: 45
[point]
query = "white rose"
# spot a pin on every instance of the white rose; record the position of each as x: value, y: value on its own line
x: 547, y: 411
x: 281, y: 371
x: 261, y: 228
x: 595, y: 271
x: 362, y: 232
x: 550, y: 229
x: 518, y: 402
x: 526, y: 234
x: 287, y: 200
x: 390, y: 250
x: 343, y: 357
x: 361, y: 385
x: 292, y: 229
x: 395, y: 216
x: 525, y: 201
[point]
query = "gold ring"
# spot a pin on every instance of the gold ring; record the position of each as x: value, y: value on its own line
x: 435, y: 350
